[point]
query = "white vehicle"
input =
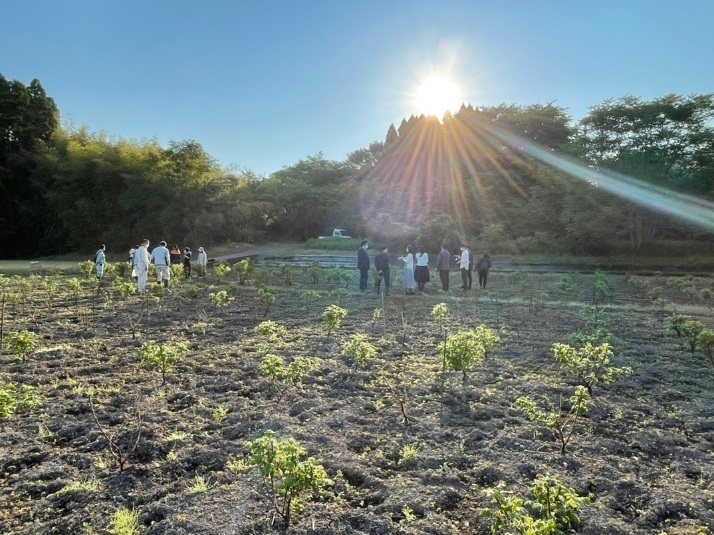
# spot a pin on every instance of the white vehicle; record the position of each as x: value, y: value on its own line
x: 338, y: 233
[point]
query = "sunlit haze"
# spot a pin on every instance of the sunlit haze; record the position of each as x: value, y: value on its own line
x: 437, y: 95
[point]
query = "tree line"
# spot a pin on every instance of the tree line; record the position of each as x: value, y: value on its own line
x: 67, y: 189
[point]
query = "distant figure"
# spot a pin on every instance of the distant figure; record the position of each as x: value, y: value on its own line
x: 99, y: 260
x: 381, y: 263
x: 187, y: 263
x: 161, y: 258
x: 408, y: 260
x: 175, y: 254
x: 482, y: 266
x: 421, y: 272
x: 363, y: 265
x: 202, y: 262
x: 443, y: 262
x: 132, y: 252
x: 141, y: 265
x: 464, y: 265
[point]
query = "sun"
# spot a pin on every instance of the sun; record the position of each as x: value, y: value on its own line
x: 436, y: 95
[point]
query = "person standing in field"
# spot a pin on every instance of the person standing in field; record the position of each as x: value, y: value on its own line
x: 408, y: 260
x: 363, y: 265
x: 421, y: 272
x: 161, y: 258
x: 99, y: 260
x: 202, y: 262
x: 442, y: 266
x: 187, y: 262
x: 175, y: 254
x: 141, y: 265
x: 132, y: 252
x: 381, y: 263
x: 482, y: 266
x: 465, y: 267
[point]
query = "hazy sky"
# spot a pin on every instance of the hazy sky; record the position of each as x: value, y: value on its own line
x: 264, y: 83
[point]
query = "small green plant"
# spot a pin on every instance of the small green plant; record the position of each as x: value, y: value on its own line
x: 705, y: 294
x: 261, y: 275
x: 124, y: 288
x: 163, y: 357
x: 285, y: 476
x: 397, y: 381
x: 705, y: 341
x: 201, y: 271
x: 589, y: 364
x: 221, y: 270
x: 271, y: 330
x: 440, y: 314
x: 309, y: 297
x: 338, y: 277
x: 287, y: 271
x: 86, y: 268
x: 125, y: 522
x: 220, y: 299
x: 75, y: 289
x: 333, y: 316
x: 243, y: 269
x: 282, y: 376
x: 553, y: 509
x: 16, y: 398
x: 314, y: 273
x: 676, y: 321
x: 565, y: 284
x: 360, y: 349
x: 408, y: 513
x: 90, y: 484
x: 51, y: 288
x: 267, y: 297
x: 21, y: 343
x: 464, y: 350
x: 562, y: 425
x: 200, y: 485
x: 691, y: 330
x: 602, y: 291
x: 376, y: 316
x: 220, y: 413
x: 409, y: 454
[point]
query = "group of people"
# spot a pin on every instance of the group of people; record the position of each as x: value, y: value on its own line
x: 161, y: 257
x: 416, y: 268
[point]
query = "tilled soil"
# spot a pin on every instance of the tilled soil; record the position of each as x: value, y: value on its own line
x: 644, y: 455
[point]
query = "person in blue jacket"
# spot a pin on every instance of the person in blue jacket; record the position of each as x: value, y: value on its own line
x: 99, y: 261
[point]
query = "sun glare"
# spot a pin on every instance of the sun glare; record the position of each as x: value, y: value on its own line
x: 437, y: 95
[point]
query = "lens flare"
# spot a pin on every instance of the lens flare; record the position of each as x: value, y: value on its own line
x: 436, y: 95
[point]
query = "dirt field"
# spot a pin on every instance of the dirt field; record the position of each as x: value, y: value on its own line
x: 644, y: 453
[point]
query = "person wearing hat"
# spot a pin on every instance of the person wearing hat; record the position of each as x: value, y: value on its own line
x: 141, y: 265
x: 202, y: 261
x: 161, y: 258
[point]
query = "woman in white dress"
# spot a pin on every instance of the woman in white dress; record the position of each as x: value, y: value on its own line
x: 408, y: 260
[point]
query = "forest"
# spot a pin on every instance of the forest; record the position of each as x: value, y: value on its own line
x: 473, y: 176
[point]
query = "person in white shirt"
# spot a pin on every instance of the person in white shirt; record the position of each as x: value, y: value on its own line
x: 161, y: 257
x: 141, y: 265
x: 132, y: 252
x: 202, y: 262
x: 465, y: 265
x: 421, y: 273
x: 408, y: 260
x: 99, y: 260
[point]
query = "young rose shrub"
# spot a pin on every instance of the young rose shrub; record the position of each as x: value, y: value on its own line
x: 15, y: 398
x: 466, y: 349
x: 552, y: 510
x: 86, y: 268
x: 360, y: 350
x: 562, y: 425
x: 221, y: 270
x: 164, y: 357
x: 589, y: 364
x: 691, y: 330
x: 220, y: 299
x: 285, y: 476
x: 243, y: 269
x: 282, y: 376
x: 21, y: 343
x: 314, y: 273
x: 705, y: 341
x: 333, y: 316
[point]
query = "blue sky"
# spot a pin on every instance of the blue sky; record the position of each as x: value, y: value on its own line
x: 265, y: 83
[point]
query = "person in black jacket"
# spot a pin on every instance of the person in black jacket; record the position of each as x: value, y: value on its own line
x: 381, y: 263
x: 482, y: 266
x: 363, y: 265
x: 443, y: 262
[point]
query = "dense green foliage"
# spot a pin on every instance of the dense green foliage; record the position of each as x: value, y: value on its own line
x: 472, y: 177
